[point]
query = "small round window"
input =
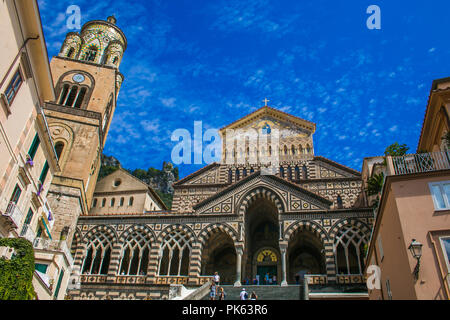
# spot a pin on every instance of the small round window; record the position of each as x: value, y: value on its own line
x: 117, y: 182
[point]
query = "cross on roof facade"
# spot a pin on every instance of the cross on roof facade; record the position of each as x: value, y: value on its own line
x: 265, y: 102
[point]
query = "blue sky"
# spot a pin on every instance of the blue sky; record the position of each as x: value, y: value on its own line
x: 215, y: 61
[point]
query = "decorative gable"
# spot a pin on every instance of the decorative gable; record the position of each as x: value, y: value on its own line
x: 287, y: 197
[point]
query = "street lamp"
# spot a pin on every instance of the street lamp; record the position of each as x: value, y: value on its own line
x: 416, y: 250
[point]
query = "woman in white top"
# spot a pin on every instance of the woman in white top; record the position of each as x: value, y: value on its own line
x: 216, y: 278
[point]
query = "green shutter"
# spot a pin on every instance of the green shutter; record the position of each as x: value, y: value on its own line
x: 58, y: 286
x: 44, y: 173
x: 29, y: 217
x: 41, y: 267
x: 16, y: 194
x: 34, y: 147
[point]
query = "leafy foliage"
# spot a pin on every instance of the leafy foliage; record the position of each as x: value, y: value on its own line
x: 167, y: 198
x: 446, y: 138
x: 375, y: 184
x: 16, y: 275
x: 106, y: 171
x: 396, y: 150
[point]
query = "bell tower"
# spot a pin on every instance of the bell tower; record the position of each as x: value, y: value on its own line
x: 87, y: 82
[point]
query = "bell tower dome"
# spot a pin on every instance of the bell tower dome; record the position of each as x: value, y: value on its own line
x: 100, y: 42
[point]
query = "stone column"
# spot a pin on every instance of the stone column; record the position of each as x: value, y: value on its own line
x: 114, y: 262
x: 239, y: 253
x: 283, y: 250
x: 195, y: 264
x: 153, y: 263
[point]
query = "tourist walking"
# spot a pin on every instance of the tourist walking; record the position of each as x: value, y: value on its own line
x: 244, y: 294
x: 216, y: 278
x: 222, y: 294
x: 212, y: 291
x: 274, y: 279
x: 253, y: 296
x: 266, y: 279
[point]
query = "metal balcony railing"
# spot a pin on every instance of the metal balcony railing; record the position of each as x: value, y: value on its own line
x: 419, y: 163
x: 53, y: 245
x: 28, y: 233
x: 13, y: 214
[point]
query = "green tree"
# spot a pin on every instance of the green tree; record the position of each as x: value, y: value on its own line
x: 396, y: 150
x: 106, y: 171
x: 16, y: 275
x: 375, y: 184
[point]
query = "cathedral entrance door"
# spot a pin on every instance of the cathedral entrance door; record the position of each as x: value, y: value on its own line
x: 263, y: 270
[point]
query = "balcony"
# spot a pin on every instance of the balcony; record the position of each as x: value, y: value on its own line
x: 53, y: 245
x: 12, y: 216
x: 27, y: 233
x: 418, y: 163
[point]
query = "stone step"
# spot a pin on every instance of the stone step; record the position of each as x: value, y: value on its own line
x: 291, y: 292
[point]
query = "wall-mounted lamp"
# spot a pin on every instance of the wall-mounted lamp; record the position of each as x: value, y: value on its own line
x: 416, y: 250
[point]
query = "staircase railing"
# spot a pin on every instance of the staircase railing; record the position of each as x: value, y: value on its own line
x: 200, y: 293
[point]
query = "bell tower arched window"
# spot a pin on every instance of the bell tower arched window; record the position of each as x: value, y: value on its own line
x: 72, y: 96
x: 107, y: 114
x: 70, y: 53
x: 91, y: 53
x: 80, y: 98
x: 59, y: 147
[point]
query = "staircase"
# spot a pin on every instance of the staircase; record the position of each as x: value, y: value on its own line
x: 291, y: 292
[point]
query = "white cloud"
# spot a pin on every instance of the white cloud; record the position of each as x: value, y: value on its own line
x: 168, y: 102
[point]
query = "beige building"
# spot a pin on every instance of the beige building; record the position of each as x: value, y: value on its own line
x: 413, y: 212
x: 122, y: 193
x: 29, y: 159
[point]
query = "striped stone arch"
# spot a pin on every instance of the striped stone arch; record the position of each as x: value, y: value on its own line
x: 176, y: 227
x: 77, y: 239
x: 137, y: 227
x: 312, y: 226
x: 261, y: 192
x: 107, y: 230
x: 207, y: 232
x: 350, y: 221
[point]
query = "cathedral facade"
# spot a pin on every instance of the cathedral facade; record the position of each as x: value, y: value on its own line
x: 270, y: 206
x: 243, y: 217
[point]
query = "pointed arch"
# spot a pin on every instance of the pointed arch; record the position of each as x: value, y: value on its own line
x: 261, y: 192
x: 312, y: 226
x: 99, y: 243
x: 136, y: 244
x: 175, y: 250
x: 207, y: 232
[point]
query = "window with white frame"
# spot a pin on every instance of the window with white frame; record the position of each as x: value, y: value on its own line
x: 445, y: 245
x: 440, y: 192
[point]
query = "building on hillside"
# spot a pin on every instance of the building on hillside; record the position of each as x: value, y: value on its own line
x: 243, y: 217
x: 414, y: 211
x: 29, y: 155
